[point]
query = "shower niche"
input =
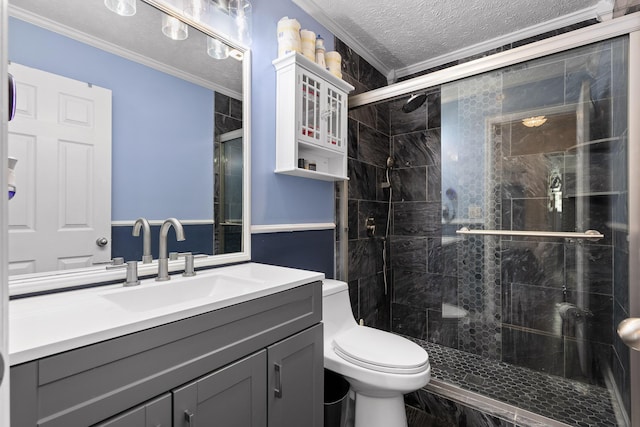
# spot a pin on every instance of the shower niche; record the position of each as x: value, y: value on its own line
x: 311, y: 120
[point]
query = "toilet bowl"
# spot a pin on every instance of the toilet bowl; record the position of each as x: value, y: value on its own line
x: 380, y: 367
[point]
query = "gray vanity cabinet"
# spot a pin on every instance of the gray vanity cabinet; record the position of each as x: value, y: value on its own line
x: 231, y: 396
x: 214, y: 365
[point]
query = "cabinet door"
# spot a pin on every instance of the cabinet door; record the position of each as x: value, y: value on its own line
x: 309, y: 90
x: 296, y: 380
x: 335, y: 116
x: 230, y: 397
x: 156, y: 413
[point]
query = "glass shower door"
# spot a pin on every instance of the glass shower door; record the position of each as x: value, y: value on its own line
x: 530, y: 152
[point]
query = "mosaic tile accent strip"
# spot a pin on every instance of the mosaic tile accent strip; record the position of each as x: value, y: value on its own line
x: 475, y: 176
x: 568, y: 401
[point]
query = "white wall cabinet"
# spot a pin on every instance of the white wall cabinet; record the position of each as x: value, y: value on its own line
x: 311, y: 119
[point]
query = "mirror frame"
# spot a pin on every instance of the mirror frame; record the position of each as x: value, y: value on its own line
x: 61, y: 280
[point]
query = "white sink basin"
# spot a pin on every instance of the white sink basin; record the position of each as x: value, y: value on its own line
x: 50, y: 324
x: 151, y: 295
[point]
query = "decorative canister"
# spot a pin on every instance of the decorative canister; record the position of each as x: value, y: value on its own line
x: 308, y: 44
x: 334, y: 63
x: 288, y: 36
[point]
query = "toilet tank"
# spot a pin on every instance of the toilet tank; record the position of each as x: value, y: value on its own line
x: 336, y: 307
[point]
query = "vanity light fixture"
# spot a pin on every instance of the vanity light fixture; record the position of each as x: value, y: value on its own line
x: 216, y: 49
x: 534, y: 122
x: 240, y: 11
x: 121, y: 7
x: 174, y: 28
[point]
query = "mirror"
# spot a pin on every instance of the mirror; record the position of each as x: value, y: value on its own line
x: 176, y: 116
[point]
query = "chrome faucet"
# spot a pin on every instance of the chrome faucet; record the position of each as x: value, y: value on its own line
x: 142, y: 223
x: 163, y: 257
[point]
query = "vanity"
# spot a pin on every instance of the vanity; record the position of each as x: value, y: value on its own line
x: 235, y: 345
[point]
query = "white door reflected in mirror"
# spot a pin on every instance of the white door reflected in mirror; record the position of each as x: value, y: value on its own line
x: 61, y: 134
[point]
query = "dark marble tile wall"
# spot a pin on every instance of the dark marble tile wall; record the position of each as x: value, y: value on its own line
x: 228, y: 117
x: 420, y: 285
x: 368, y: 150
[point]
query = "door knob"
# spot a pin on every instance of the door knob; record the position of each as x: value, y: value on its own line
x: 102, y: 241
x: 629, y: 332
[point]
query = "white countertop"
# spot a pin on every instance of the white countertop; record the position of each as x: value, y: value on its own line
x: 49, y: 324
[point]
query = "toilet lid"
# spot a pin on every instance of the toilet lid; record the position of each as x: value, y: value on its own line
x: 380, y: 351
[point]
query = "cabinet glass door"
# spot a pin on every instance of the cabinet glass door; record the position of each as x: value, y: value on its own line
x: 310, y: 115
x: 335, y: 104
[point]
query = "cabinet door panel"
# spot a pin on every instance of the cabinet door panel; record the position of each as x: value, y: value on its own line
x: 296, y: 380
x: 309, y: 119
x: 230, y: 397
x: 133, y: 418
x: 156, y: 413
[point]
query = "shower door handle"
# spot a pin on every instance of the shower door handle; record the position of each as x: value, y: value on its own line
x: 629, y: 332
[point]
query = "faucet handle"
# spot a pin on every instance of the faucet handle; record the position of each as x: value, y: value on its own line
x: 117, y: 262
x: 132, y: 274
x: 189, y: 269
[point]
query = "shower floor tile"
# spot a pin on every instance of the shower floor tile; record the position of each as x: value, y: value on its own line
x: 558, y: 398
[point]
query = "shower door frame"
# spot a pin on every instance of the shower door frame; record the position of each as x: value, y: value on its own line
x: 623, y: 26
x: 633, y: 147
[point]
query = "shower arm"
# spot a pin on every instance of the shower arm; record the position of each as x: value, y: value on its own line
x: 589, y: 234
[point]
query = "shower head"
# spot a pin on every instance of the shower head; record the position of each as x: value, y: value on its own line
x: 414, y: 102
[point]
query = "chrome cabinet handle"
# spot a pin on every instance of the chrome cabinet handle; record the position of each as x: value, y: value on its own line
x: 190, y: 418
x: 277, y: 391
x: 629, y: 332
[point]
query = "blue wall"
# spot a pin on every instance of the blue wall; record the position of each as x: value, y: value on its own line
x: 275, y: 198
x: 172, y: 127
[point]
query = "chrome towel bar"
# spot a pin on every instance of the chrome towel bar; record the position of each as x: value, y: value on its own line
x: 589, y: 234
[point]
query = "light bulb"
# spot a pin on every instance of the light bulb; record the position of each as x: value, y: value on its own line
x: 216, y: 49
x: 174, y: 28
x: 121, y: 7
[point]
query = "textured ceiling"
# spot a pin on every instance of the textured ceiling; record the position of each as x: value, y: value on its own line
x: 140, y: 34
x: 399, y: 34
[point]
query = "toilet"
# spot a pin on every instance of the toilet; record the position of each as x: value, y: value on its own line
x: 380, y: 367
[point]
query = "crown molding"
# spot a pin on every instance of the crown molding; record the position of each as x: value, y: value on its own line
x: 311, y: 8
x: 597, y: 11
x: 602, y: 11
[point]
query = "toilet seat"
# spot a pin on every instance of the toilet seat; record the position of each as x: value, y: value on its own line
x: 380, y: 351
